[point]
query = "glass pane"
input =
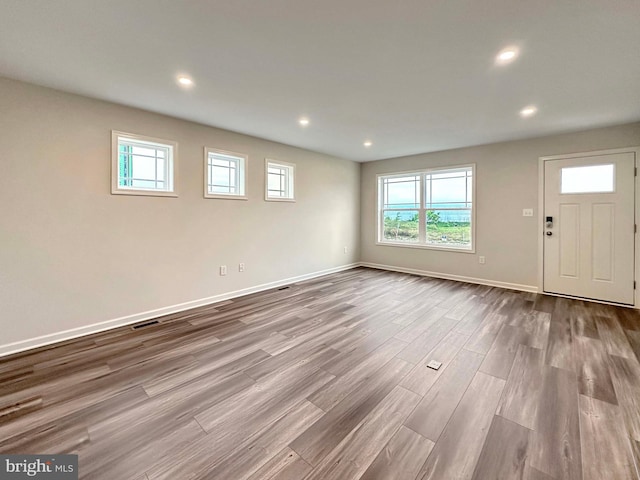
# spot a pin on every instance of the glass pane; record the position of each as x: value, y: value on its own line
x: 591, y: 179
x: 447, y: 191
x: 124, y: 174
x: 219, y: 163
x: 225, y: 157
x: 161, y: 168
x: 449, y: 228
x: 138, y: 183
x: 401, y: 226
x: 220, y: 189
x: 147, y: 152
x: 275, y: 183
x: 144, y: 168
x: 220, y: 176
x: 454, y: 173
x: 402, y: 192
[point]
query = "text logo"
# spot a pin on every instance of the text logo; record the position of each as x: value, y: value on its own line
x: 49, y: 467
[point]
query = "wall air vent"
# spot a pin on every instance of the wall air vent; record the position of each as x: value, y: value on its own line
x: 145, y: 324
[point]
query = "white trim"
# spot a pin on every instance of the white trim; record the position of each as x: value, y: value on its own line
x: 52, y: 338
x: 591, y: 300
x: 242, y: 175
x: 291, y: 181
x: 173, y: 166
x: 458, y: 278
x: 222, y: 196
x: 541, y: 225
x: 596, y: 153
x: 424, y: 247
x: 44, y: 340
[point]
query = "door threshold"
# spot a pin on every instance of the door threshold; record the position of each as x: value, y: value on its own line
x: 587, y: 299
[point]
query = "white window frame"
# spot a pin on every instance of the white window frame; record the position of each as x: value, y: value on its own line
x: 289, y: 188
x: 422, y: 209
x: 171, y: 170
x: 242, y: 161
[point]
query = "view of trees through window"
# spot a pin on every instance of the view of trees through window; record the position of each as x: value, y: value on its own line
x: 430, y: 208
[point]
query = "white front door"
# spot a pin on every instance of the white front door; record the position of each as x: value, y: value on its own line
x: 589, y: 227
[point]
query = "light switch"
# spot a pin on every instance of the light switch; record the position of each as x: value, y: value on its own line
x: 527, y: 212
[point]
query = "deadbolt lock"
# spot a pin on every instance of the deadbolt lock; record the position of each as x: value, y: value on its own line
x: 549, y: 221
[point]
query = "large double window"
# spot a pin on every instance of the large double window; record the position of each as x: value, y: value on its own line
x: 430, y: 208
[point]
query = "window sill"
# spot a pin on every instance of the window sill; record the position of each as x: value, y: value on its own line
x: 279, y: 199
x: 427, y: 247
x: 227, y: 197
x: 145, y: 193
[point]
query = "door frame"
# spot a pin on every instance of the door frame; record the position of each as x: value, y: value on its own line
x: 540, y: 216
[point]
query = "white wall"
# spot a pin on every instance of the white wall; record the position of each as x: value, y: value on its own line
x: 507, y: 182
x: 72, y: 255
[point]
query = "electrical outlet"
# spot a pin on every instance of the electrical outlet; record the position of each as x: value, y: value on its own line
x: 241, y: 267
x: 223, y: 270
x: 481, y: 259
x: 527, y: 212
x: 346, y: 249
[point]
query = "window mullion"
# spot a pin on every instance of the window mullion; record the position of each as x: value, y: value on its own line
x: 129, y: 182
x: 155, y: 166
x: 422, y: 216
x: 236, y: 189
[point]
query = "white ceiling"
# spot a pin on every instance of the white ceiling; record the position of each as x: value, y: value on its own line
x: 410, y: 75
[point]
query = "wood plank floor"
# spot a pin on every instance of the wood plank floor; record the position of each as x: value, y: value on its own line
x: 328, y: 379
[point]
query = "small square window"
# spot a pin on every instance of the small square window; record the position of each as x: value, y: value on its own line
x: 279, y: 181
x: 224, y: 174
x: 142, y: 165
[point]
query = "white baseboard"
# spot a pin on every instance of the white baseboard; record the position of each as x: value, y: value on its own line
x: 52, y: 338
x: 49, y: 339
x: 447, y: 276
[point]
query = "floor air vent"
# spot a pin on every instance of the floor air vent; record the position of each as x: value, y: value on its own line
x: 146, y: 324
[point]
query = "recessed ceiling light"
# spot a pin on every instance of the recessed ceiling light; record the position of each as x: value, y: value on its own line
x: 185, y: 81
x: 368, y: 143
x: 303, y: 121
x: 528, y: 111
x: 507, y: 55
